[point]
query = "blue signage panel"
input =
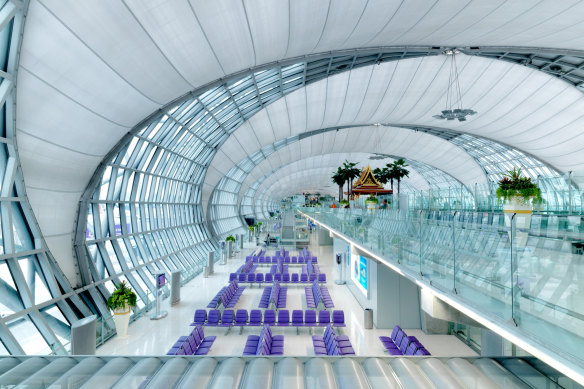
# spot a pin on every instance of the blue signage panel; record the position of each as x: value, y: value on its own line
x: 363, y: 272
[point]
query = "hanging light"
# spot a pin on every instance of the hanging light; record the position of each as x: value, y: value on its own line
x: 453, y: 109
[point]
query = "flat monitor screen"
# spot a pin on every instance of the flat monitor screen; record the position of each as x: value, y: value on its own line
x: 161, y: 280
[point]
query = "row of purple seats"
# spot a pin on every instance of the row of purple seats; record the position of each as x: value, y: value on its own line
x: 231, y: 294
x: 298, y: 318
x: 401, y: 344
x: 265, y: 299
x: 315, y: 294
x: 214, y: 319
x: 194, y: 344
x: 264, y: 344
x: 332, y: 344
x: 215, y: 301
x: 279, y: 295
x: 269, y: 278
x: 289, y: 260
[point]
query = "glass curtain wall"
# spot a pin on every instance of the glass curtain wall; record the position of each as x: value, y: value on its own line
x: 37, y: 303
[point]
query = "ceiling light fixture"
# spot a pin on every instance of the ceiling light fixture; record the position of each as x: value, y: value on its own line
x: 453, y: 109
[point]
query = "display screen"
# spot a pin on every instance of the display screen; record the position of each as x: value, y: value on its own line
x: 161, y: 280
x: 359, y: 272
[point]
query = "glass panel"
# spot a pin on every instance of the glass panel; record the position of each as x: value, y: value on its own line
x: 28, y: 336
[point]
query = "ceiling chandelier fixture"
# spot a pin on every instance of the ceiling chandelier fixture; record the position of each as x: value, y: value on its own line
x: 453, y: 109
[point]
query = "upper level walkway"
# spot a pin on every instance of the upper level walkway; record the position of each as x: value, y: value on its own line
x: 522, y: 280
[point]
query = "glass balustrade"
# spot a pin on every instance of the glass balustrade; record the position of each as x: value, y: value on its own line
x: 509, y: 268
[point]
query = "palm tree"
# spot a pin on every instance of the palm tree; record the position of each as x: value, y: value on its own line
x: 382, y: 175
x: 339, y: 179
x: 351, y: 172
x: 400, y: 171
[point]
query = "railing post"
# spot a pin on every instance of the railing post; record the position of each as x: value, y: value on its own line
x: 454, y: 252
x: 514, y: 291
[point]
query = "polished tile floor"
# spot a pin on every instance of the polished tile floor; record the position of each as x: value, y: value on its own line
x: 155, y: 337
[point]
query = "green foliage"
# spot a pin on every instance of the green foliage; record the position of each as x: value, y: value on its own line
x: 372, y: 199
x: 344, y: 202
x: 260, y: 223
x: 514, y: 184
x: 230, y: 238
x: 382, y: 175
x: 122, y: 295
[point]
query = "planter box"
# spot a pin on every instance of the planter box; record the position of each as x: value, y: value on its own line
x: 121, y: 320
x: 523, y: 211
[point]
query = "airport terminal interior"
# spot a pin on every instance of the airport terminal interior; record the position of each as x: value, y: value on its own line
x: 291, y: 194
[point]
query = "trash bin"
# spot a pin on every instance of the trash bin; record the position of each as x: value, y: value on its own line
x: 368, y: 321
x: 206, y: 271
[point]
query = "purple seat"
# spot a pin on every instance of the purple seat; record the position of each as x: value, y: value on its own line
x: 255, y: 318
x: 294, y: 259
x: 309, y: 318
x: 312, y: 277
x: 232, y: 276
x: 324, y: 318
x: 213, y: 318
x: 286, y: 277
x: 259, y: 278
x: 398, y: 338
x: 268, y: 259
x: 422, y: 351
x: 413, y: 347
x: 278, y: 277
x: 339, y: 318
x: 321, y: 277
x: 303, y: 277
x: 300, y: 259
x: 395, y: 331
x: 241, y: 318
x: 251, y: 277
x: 269, y: 277
x: 283, y: 318
x: 241, y: 277
x: 294, y: 277
x: 227, y: 318
x: 269, y: 317
x: 200, y: 317
x: 262, y: 260
x: 297, y: 318
x: 314, y: 260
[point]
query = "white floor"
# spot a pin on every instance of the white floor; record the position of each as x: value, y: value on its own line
x: 155, y: 337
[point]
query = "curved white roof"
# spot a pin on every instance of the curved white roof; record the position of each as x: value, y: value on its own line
x: 92, y: 70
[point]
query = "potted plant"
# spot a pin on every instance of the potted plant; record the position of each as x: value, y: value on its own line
x: 230, y: 238
x: 517, y: 191
x: 371, y: 202
x: 120, y: 302
x: 344, y: 203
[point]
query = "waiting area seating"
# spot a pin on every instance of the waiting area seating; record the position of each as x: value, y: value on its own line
x: 261, y: 278
x: 315, y: 294
x: 255, y: 318
x: 228, y: 296
x: 332, y: 344
x: 274, y: 294
x: 194, y: 344
x: 401, y: 344
x: 264, y: 343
